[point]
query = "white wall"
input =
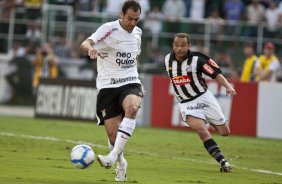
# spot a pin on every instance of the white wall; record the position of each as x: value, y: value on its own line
x: 269, y: 114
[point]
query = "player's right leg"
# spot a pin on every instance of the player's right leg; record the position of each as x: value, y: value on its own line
x: 210, y: 145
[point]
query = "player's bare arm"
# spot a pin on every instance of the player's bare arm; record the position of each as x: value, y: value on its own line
x: 87, y: 46
x: 222, y: 81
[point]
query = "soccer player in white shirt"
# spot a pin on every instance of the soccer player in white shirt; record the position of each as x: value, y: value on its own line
x: 116, y: 45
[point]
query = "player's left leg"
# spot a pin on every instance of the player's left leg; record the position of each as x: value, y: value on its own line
x: 209, y: 143
x: 130, y: 104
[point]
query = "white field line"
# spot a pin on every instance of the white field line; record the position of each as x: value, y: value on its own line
x: 47, y: 138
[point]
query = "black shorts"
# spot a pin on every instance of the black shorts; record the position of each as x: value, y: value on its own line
x: 109, y: 100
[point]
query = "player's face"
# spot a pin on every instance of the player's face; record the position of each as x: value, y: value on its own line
x: 180, y: 47
x: 130, y: 19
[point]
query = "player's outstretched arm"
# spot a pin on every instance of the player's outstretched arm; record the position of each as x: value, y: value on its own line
x: 222, y: 81
x: 87, y: 46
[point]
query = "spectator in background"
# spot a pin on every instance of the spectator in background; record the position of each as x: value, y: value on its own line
x: 188, y: 4
x: 145, y: 8
x: 62, y: 48
x: 223, y: 60
x: 45, y: 65
x: 18, y: 73
x: 173, y: 10
x: 6, y: 7
x: 272, y: 20
x: 113, y: 8
x: 153, y: 22
x: 86, y: 6
x: 197, y: 10
x: 66, y: 2
x: 233, y: 10
x: 268, y: 65
x: 279, y: 34
x: 216, y: 25
x: 18, y: 50
x: 212, y: 5
x: 33, y: 14
x: 248, y: 72
x: 61, y: 15
x: 255, y: 14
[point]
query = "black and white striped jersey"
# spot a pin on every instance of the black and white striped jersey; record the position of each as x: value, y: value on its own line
x: 186, y: 76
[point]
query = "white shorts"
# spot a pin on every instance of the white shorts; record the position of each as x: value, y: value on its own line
x: 204, y: 107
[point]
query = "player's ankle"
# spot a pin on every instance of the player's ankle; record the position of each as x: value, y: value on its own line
x: 122, y: 163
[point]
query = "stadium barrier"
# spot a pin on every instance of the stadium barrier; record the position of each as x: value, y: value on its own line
x: 255, y: 111
x: 65, y: 98
x: 76, y: 100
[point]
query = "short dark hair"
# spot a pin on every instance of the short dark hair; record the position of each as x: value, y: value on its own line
x: 134, y: 5
x: 182, y: 35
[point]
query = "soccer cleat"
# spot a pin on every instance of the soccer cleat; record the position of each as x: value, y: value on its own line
x: 106, y: 161
x: 121, y: 171
x: 225, y: 167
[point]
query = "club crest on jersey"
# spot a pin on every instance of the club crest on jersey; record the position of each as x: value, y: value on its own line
x: 181, y: 80
x: 208, y: 69
x: 114, y: 29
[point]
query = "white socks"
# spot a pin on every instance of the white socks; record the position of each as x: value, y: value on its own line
x: 120, y: 157
x: 125, y: 130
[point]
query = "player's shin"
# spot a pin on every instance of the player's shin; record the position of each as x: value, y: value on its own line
x: 214, y: 150
x: 120, y: 159
x: 125, y: 130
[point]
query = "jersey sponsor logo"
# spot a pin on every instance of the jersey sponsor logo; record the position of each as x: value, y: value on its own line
x: 123, y: 80
x: 211, y: 62
x: 125, y: 60
x: 198, y: 106
x: 181, y: 80
x: 208, y: 69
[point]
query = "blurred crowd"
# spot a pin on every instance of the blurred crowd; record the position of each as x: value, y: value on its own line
x: 218, y: 13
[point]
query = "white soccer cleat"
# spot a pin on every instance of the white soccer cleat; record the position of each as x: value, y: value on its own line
x: 106, y: 161
x: 121, y: 171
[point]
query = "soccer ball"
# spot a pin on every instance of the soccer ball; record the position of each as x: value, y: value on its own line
x: 82, y: 156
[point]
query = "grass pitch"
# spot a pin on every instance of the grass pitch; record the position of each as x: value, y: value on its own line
x: 36, y: 151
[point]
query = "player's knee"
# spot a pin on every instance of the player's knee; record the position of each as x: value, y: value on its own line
x: 131, y: 111
x: 224, y: 131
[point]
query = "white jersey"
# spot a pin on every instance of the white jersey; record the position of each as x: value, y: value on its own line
x: 119, y: 49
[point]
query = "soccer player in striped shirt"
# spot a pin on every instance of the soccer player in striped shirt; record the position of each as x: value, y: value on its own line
x: 197, y: 104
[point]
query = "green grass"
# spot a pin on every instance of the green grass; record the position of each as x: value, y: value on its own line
x: 155, y: 156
